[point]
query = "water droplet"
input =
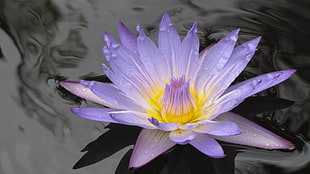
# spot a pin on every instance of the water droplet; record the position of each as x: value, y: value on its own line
x: 152, y: 155
x: 146, y: 152
x: 279, y: 74
x: 255, y: 135
x: 277, y: 145
x: 267, y: 144
x: 113, y: 55
x: 162, y: 29
x: 84, y: 89
x: 115, y: 45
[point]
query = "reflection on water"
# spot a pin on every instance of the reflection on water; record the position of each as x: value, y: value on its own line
x: 42, y: 41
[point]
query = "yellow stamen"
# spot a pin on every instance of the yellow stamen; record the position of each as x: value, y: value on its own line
x: 177, y: 103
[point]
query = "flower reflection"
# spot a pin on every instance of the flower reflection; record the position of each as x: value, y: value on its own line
x: 176, y: 94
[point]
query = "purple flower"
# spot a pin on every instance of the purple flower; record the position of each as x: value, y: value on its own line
x: 176, y: 94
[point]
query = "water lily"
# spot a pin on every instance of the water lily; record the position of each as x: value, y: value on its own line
x: 176, y: 94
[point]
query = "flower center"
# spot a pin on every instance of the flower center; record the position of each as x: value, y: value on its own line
x: 177, y: 104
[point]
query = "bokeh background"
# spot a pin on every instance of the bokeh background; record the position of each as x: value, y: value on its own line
x: 42, y: 42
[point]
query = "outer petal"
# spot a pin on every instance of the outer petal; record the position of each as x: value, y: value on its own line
x: 97, y: 114
x: 225, y: 103
x: 128, y: 39
x: 124, y: 62
x: 253, y: 134
x: 169, y: 43
x: 132, y: 118
x: 235, y: 94
x: 164, y: 126
x: 215, y: 59
x: 112, y: 94
x: 83, y: 92
x: 128, y: 70
x: 240, y: 57
x: 218, y: 128
x: 125, y: 84
x: 262, y: 82
x: 149, y: 145
x: 208, y: 146
x: 182, y: 136
x: 151, y: 57
x: 188, y: 54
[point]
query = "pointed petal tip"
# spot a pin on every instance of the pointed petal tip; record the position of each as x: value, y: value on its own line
x: 142, y: 35
x: 166, y: 14
x: 252, y: 44
x: 233, y: 35
x: 121, y: 25
x: 86, y: 83
x: 69, y: 85
x: 253, y: 134
x: 138, y: 28
x: 291, y: 146
x: 165, y: 22
x: 292, y: 70
x: 75, y: 110
x: 106, y: 37
x: 194, y: 27
x: 165, y: 17
x: 66, y: 83
x: 79, y: 112
x: 107, y: 71
x: 286, y: 73
x: 280, y: 144
x: 104, y: 66
x: 110, y: 41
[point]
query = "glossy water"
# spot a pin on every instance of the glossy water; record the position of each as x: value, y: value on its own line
x: 44, y: 41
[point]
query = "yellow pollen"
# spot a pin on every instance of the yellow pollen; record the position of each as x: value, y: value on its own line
x: 178, y: 103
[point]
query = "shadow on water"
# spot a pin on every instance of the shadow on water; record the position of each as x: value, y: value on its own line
x: 42, y: 42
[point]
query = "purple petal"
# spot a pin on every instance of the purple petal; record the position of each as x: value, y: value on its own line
x: 125, y: 84
x: 225, y: 103
x: 150, y: 56
x: 149, y: 145
x: 260, y: 83
x: 164, y: 126
x: 188, y: 54
x: 189, y: 126
x: 235, y: 94
x: 128, y: 69
x: 97, y: 114
x: 182, y: 136
x: 208, y: 146
x: 215, y: 60
x: 112, y: 95
x: 218, y: 128
x: 77, y: 89
x: 128, y: 39
x: 169, y: 42
x: 240, y: 57
x: 253, y: 134
x: 132, y: 118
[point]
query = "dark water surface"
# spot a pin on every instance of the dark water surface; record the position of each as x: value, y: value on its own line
x: 44, y: 41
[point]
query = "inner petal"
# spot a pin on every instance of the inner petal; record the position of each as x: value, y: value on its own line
x: 177, y: 103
